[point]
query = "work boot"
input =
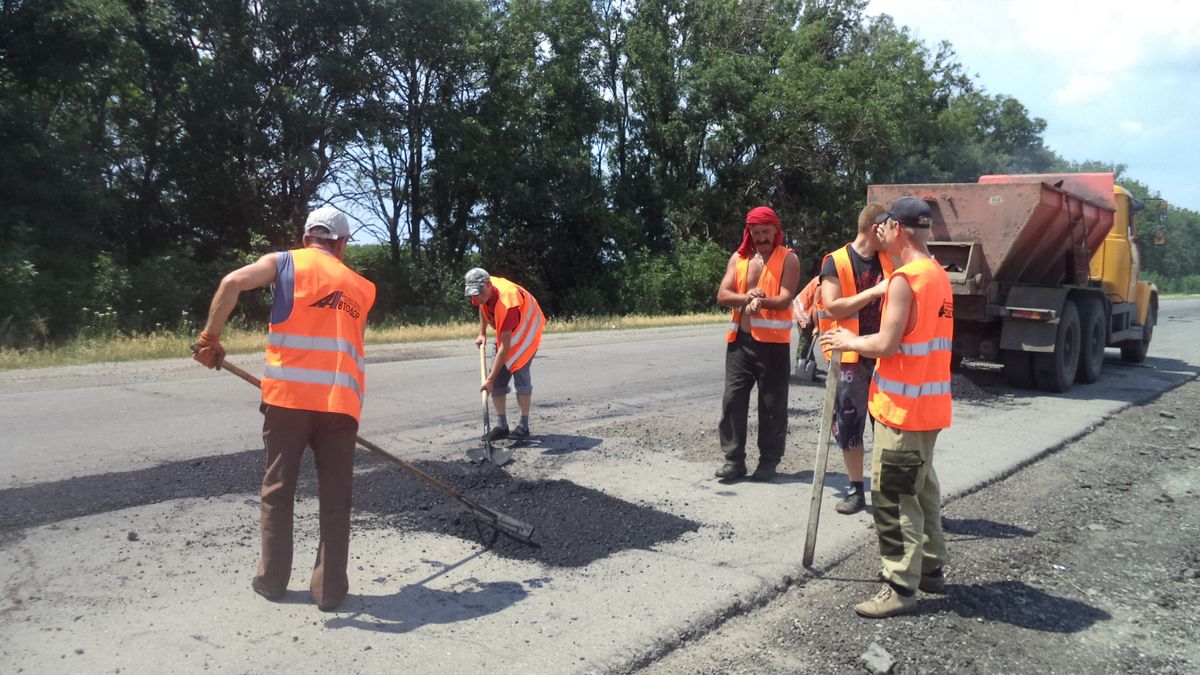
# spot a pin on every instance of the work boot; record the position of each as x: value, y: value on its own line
x: 851, y: 503
x: 933, y: 582
x: 498, y: 434
x: 732, y: 470
x: 519, y: 433
x: 764, y: 472
x: 887, y: 602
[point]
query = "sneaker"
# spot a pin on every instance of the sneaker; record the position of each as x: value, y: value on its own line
x: 852, y: 503
x: 519, y: 433
x: 732, y: 470
x: 763, y: 473
x: 934, y: 582
x: 498, y: 433
x: 260, y: 587
x: 887, y: 602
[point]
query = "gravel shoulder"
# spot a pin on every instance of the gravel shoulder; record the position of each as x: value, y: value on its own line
x: 1085, y: 561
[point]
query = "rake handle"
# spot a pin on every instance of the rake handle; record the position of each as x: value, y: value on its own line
x: 507, y: 524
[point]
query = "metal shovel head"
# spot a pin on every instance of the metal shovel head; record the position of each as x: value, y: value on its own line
x: 499, y: 456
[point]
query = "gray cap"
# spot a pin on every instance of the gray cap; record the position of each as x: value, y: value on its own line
x: 329, y: 218
x: 476, y: 279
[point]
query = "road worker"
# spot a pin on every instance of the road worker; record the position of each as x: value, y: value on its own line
x: 514, y: 315
x: 803, y: 308
x: 758, y: 286
x: 312, y: 393
x: 910, y: 402
x: 851, y: 288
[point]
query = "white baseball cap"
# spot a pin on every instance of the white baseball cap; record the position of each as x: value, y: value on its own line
x: 329, y: 218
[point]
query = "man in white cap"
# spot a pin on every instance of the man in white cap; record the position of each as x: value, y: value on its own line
x: 312, y: 392
x: 514, y: 314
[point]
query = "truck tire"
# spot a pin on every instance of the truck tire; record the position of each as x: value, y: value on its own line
x: 1134, y: 351
x: 1093, y: 340
x: 1018, y: 368
x: 1055, y: 371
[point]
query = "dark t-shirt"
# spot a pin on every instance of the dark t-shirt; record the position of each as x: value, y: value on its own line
x: 867, y: 273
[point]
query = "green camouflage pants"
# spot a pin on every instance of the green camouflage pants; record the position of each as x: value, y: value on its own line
x: 908, y: 504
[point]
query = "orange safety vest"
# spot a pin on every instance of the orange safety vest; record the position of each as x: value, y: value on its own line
x: 315, y: 355
x: 528, y: 334
x: 845, y: 272
x: 769, y: 325
x: 911, y: 389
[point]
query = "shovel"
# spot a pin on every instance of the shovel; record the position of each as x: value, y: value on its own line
x: 489, y: 453
x: 818, y: 481
x: 522, y: 532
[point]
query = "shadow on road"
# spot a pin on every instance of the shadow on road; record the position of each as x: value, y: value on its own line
x: 414, y: 606
x: 980, y: 528
x: 1016, y: 603
x: 561, y: 444
x: 1119, y: 381
x: 575, y: 525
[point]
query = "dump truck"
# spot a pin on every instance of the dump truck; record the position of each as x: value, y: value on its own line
x: 1045, y: 272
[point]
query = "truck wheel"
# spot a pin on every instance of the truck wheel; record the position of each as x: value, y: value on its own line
x: 1018, y: 368
x: 1094, y: 338
x: 1134, y: 351
x: 1055, y: 371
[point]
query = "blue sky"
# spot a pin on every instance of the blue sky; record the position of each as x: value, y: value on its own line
x: 1117, y: 82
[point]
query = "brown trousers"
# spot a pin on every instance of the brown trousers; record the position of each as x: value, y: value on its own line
x: 286, y: 433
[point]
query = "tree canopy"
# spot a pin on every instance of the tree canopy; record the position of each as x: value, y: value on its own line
x: 602, y: 152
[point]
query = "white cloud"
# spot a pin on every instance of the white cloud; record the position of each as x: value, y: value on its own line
x: 1083, y: 88
x: 1131, y: 127
x: 1096, y: 41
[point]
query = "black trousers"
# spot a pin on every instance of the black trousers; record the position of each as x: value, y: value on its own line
x: 767, y: 364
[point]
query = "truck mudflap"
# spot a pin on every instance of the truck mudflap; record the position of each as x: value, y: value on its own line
x: 1030, y: 318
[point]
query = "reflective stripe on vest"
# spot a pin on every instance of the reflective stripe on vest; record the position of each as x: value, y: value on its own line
x: 527, y: 337
x: 923, y: 348
x: 319, y: 344
x: 768, y: 325
x: 910, y: 389
x: 310, y: 376
x: 315, y: 357
x: 849, y: 288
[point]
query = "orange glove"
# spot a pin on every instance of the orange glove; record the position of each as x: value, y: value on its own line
x: 208, y: 350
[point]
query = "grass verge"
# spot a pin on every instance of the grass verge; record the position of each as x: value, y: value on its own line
x: 237, y: 340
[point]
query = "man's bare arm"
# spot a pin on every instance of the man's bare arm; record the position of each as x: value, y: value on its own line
x: 838, y: 307
x: 727, y: 296
x: 892, y: 324
x: 255, y: 275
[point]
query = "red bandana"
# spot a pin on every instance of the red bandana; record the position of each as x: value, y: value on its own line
x: 759, y: 215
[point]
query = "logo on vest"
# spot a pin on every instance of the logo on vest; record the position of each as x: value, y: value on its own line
x: 336, y: 300
x: 946, y: 310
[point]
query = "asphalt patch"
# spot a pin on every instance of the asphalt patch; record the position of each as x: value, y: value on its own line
x: 573, y: 525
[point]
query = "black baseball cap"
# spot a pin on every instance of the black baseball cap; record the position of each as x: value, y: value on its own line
x: 908, y: 211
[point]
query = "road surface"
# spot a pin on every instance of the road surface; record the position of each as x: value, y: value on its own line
x: 129, y: 508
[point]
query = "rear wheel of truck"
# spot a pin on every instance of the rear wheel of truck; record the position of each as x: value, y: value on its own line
x: 1134, y: 351
x: 1018, y: 368
x: 1093, y: 341
x: 1055, y: 371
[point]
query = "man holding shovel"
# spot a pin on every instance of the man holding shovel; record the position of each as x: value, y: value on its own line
x: 312, y: 392
x: 514, y: 314
x: 758, y: 287
x: 910, y: 401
